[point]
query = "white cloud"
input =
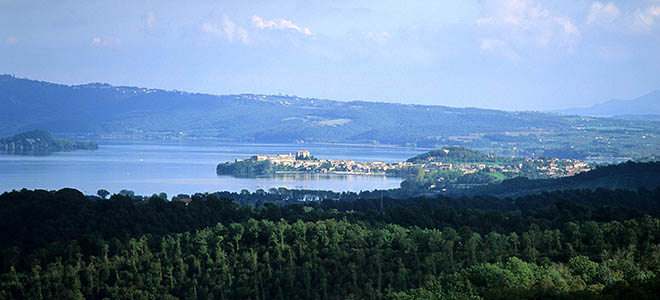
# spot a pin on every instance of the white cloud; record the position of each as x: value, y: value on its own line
x: 489, y: 44
x: 105, y: 42
x: 567, y: 25
x: 517, y: 13
x: 279, y: 24
x: 499, y: 47
x: 11, y: 40
x: 646, y: 18
x: 226, y: 29
x: 379, y: 37
x: 525, y: 22
x: 600, y: 12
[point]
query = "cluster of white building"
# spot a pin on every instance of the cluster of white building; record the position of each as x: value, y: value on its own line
x: 303, y: 161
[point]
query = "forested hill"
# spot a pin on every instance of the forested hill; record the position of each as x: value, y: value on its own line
x: 452, y: 155
x: 103, y: 111
x: 629, y: 176
x: 41, y: 142
x: 574, y: 245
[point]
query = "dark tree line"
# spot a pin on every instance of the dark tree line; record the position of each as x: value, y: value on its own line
x: 561, y: 245
x: 338, y: 259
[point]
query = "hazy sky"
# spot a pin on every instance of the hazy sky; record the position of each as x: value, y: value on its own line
x: 511, y: 54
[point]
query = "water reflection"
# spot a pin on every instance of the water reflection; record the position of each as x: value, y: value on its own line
x: 26, y: 152
x: 188, y: 167
x: 314, y: 176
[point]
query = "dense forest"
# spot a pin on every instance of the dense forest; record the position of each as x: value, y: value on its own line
x: 578, y: 244
x: 250, y: 168
x: 459, y: 155
x: 41, y: 142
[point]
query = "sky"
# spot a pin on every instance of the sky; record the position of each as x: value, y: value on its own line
x: 507, y: 54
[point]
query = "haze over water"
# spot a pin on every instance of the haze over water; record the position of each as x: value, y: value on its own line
x: 183, y: 167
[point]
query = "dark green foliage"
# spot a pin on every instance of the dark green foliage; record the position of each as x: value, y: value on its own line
x: 629, y: 175
x: 41, y: 142
x: 249, y: 168
x: 102, y: 193
x: 339, y: 259
x: 560, y: 245
x: 453, y: 155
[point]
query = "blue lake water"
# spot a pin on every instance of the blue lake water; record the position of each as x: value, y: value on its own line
x: 176, y: 167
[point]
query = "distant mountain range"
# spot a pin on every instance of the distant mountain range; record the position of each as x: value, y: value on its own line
x: 646, y: 107
x: 97, y: 111
x: 130, y: 111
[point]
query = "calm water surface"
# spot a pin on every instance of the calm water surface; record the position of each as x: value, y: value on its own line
x: 182, y: 167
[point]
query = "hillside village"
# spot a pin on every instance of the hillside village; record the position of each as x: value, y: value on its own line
x: 304, y: 162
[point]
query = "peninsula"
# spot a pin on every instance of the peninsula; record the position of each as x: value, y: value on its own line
x: 41, y: 142
x: 304, y: 162
x: 448, y: 167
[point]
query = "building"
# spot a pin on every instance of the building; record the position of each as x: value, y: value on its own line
x: 303, y: 154
x: 282, y: 159
x: 259, y: 157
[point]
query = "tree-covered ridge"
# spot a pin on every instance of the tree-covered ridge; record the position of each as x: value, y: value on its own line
x: 302, y: 252
x: 39, y: 141
x: 34, y: 219
x: 102, y: 110
x: 456, y: 168
x: 338, y: 260
x: 454, y: 154
x: 629, y: 175
x: 249, y: 168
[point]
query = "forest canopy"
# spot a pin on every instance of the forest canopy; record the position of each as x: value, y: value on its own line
x: 593, y: 244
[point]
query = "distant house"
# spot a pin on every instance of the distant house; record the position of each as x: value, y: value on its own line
x: 439, y: 165
x: 282, y: 159
x: 259, y: 157
x: 303, y: 154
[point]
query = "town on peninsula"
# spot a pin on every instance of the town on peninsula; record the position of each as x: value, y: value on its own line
x: 455, y: 165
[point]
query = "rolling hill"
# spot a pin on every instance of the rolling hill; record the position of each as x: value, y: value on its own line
x: 645, y: 107
x: 624, y: 176
x: 96, y: 111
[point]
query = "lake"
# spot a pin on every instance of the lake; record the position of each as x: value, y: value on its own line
x: 177, y: 167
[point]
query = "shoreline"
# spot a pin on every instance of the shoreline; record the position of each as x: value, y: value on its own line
x: 230, y: 141
x: 330, y: 174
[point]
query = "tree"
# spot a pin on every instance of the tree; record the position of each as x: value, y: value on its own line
x: 102, y: 193
x: 127, y: 193
x: 583, y: 268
